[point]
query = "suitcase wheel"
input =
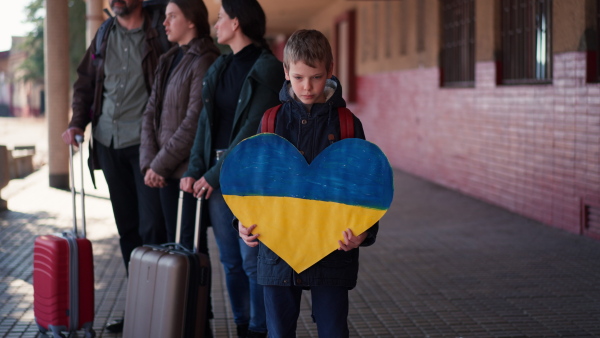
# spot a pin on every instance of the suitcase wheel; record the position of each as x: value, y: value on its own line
x: 44, y: 333
x: 90, y: 333
x: 54, y: 335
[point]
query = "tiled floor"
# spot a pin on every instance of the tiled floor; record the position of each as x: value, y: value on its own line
x: 444, y: 265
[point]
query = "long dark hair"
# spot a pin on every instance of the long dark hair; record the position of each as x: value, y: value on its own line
x: 251, y: 17
x: 196, y: 12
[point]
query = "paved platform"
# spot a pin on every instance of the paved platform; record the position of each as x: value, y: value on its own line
x: 444, y: 265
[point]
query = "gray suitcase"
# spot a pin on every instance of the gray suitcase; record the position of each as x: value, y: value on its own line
x: 167, y: 291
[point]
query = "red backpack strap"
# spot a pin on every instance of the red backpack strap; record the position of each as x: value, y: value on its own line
x: 268, y: 120
x: 346, y: 123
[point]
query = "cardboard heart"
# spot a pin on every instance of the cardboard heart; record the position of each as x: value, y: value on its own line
x: 301, y: 210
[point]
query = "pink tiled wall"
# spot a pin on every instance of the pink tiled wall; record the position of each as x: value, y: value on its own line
x: 534, y: 150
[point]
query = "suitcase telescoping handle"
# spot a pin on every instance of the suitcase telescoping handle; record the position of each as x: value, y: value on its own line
x: 79, y: 139
x: 196, y: 224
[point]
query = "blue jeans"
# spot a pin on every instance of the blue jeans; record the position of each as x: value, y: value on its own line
x: 240, y: 265
x: 329, y: 310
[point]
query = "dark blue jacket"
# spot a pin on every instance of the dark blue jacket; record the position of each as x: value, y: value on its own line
x: 309, y: 132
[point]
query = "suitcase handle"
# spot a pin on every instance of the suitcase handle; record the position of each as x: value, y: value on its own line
x: 79, y: 140
x: 196, y: 224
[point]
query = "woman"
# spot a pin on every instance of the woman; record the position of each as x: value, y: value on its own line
x: 171, y: 115
x: 238, y: 89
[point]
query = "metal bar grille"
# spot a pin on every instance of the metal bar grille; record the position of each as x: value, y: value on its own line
x: 591, y: 219
x: 458, y: 43
x: 526, y: 49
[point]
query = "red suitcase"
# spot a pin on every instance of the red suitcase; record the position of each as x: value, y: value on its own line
x: 63, y: 277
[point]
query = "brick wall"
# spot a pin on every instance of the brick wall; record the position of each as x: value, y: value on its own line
x: 534, y: 150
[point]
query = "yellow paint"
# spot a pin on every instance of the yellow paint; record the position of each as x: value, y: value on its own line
x: 301, y: 231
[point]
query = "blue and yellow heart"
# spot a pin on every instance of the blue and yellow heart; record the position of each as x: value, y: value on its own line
x: 301, y: 210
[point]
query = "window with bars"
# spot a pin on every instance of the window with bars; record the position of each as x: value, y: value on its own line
x: 458, y: 43
x: 526, y: 56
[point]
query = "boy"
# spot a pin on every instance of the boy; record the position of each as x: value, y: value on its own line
x: 309, y: 120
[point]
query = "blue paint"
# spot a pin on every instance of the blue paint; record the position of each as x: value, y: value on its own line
x: 350, y: 171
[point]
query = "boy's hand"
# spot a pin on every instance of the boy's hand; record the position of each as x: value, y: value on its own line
x: 246, y: 234
x: 350, y: 241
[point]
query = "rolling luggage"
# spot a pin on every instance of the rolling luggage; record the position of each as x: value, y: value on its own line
x: 63, y: 276
x: 167, y: 291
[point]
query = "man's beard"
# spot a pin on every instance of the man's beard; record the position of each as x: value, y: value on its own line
x: 123, y: 11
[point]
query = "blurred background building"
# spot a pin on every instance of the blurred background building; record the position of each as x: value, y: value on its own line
x: 18, y: 96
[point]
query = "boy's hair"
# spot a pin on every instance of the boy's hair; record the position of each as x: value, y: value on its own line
x: 309, y: 46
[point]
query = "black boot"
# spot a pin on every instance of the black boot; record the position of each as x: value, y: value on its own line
x: 208, y: 330
x: 254, y: 334
x: 242, y: 330
x: 116, y: 326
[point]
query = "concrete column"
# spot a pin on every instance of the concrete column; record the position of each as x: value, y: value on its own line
x: 56, y: 59
x: 94, y: 18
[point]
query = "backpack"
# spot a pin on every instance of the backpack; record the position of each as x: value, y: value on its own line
x: 346, y: 121
x: 157, y: 14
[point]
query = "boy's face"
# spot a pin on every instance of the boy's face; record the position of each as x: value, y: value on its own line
x: 308, y: 83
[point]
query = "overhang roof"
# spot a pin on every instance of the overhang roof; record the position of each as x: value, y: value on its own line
x: 283, y: 16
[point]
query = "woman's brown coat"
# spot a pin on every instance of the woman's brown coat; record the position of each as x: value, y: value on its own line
x: 171, y: 116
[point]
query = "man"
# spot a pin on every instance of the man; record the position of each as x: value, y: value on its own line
x: 111, y: 91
